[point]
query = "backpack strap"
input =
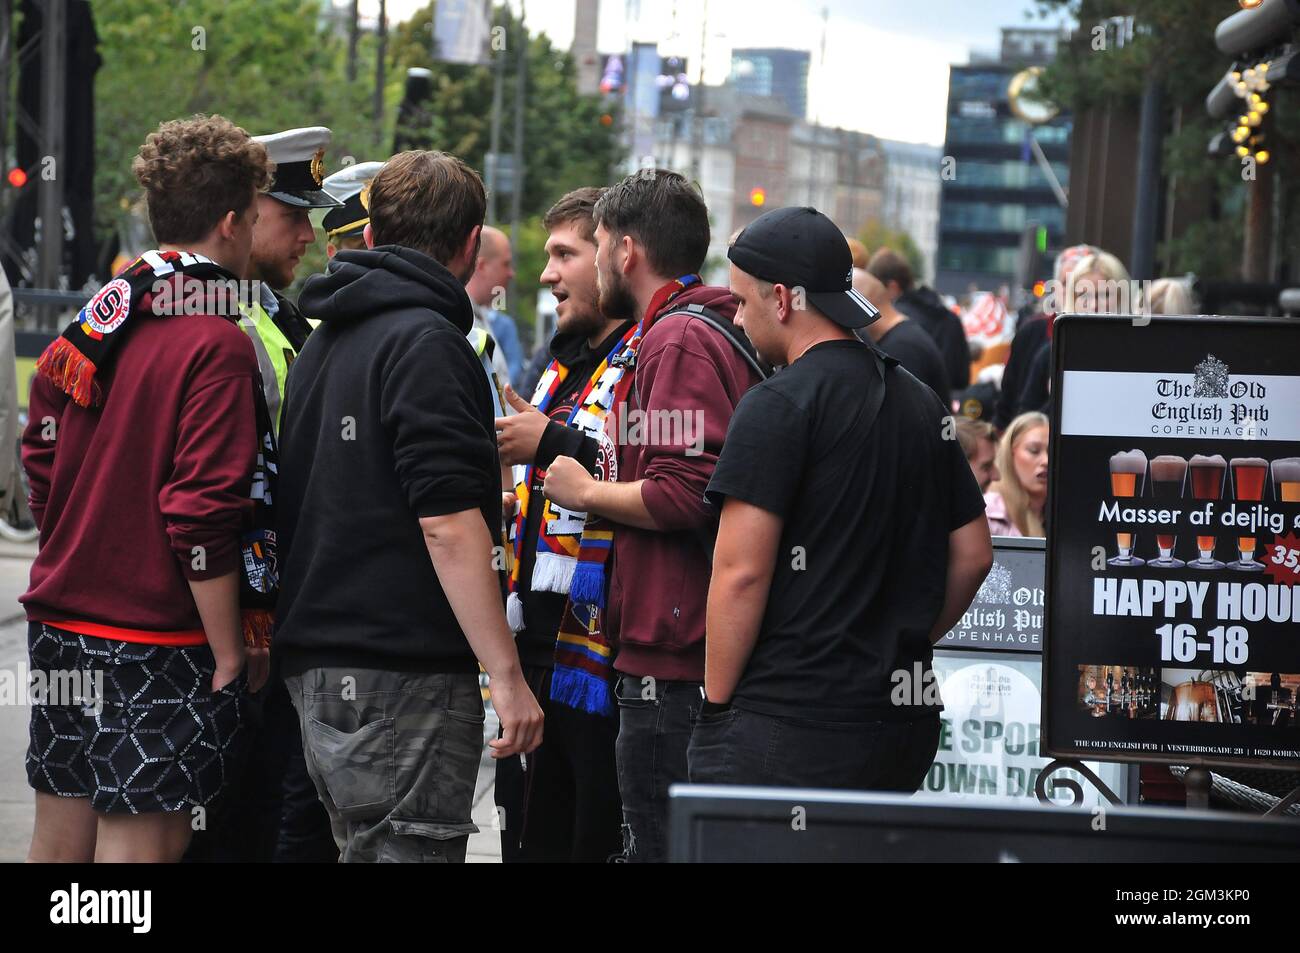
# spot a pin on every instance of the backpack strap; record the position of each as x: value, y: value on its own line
x: 728, y: 330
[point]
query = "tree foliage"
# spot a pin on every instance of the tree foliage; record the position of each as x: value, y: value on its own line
x: 1174, y: 42
x: 270, y: 65
x: 875, y: 236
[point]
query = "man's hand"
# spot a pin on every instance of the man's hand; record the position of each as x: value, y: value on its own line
x: 508, y: 501
x: 226, y: 671
x: 519, y: 436
x: 519, y: 713
x: 567, y: 484
x: 259, y: 667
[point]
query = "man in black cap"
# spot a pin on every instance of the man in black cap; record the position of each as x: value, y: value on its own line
x: 345, y: 226
x: 852, y: 537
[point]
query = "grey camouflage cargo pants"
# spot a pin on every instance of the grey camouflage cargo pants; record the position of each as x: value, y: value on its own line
x: 394, y: 757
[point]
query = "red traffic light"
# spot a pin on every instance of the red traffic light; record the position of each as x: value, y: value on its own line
x: 17, y: 178
x: 757, y: 197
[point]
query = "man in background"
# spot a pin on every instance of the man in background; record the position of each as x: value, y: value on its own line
x: 922, y: 305
x: 345, y: 225
x: 980, y: 444
x: 486, y: 288
x: 901, y: 338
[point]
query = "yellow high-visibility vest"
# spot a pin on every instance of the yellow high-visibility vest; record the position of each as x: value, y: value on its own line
x: 274, y: 354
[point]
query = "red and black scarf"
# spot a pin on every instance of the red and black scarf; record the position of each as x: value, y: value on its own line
x: 156, y: 285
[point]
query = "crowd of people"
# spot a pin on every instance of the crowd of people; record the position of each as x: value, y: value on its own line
x: 284, y: 539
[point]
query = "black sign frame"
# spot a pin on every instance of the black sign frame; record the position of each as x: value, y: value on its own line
x: 1064, y: 327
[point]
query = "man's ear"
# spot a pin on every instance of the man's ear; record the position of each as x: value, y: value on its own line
x: 369, y: 236
x: 470, y: 251
x: 229, y: 222
x: 784, y: 305
x: 630, y: 255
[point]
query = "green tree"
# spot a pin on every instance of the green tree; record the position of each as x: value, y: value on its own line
x: 267, y: 65
x: 567, y: 141
x: 875, y: 236
x: 1174, y: 41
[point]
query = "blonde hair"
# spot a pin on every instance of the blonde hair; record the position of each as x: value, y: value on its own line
x: 1170, y: 296
x: 1105, y: 264
x: 1008, y: 485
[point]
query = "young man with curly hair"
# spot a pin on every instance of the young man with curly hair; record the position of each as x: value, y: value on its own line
x: 149, y: 469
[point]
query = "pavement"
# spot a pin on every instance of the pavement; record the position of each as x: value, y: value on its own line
x: 16, y: 800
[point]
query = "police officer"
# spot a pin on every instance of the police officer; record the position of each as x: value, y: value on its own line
x: 275, y: 813
x: 280, y: 238
x: 345, y: 225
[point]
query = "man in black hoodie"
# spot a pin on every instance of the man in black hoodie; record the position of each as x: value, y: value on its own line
x: 390, y: 503
x: 562, y: 804
x: 923, y: 306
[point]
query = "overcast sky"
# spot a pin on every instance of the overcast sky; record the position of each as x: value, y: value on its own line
x: 886, y: 62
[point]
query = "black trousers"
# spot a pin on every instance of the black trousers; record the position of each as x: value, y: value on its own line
x: 564, y: 807
x: 271, y: 812
x: 744, y: 747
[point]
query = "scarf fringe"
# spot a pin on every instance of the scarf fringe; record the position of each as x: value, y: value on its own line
x: 552, y: 572
x: 515, y: 612
x: 258, y: 626
x: 588, y: 585
x: 69, y: 370
x: 581, y: 690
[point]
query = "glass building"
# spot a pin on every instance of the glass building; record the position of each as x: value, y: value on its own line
x: 773, y: 72
x: 994, y: 189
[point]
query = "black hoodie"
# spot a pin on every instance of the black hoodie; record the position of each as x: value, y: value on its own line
x: 543, y: 610
x: 387, y: 419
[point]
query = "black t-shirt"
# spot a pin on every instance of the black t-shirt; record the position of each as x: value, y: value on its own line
x: 862, y: 565
x: 908, y: 343
x: 543, y: 611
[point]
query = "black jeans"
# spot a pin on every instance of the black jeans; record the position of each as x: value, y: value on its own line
x: 744, y: 747
x: 565, y: 806
x: 272, y: 811
x: 655, y: 722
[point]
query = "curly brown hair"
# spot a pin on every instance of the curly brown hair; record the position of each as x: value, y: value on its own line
x: 194, y: 171
x: 429, y: 201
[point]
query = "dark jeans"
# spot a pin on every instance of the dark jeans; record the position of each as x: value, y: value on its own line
x: 394, y: 757
x: 564, y: 808
x: 655, y: 722
x: 744, y: 747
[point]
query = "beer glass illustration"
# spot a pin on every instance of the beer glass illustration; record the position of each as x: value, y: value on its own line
x: 1286, y: 480
x: 1248, y: 477
x: 1168, y: 482
x: 1208, y: 474
x: 1127, y: 474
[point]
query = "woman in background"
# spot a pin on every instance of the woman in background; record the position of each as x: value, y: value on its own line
x: 1015, y: 502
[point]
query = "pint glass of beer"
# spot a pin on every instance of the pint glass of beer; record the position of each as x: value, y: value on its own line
x: 1248, y: 477
x: 1208, y: 475
x: 1128, y: 471
x: 1286, y: 480
x: 1168, y: 482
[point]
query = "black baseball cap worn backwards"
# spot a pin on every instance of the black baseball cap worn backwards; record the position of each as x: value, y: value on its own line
x: 801, y: 247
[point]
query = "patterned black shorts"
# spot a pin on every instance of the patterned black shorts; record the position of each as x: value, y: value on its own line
x: 146, y: 734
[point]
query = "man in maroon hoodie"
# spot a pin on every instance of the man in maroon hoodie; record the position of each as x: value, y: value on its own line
x: 690, y: 372
x: 142, y: 448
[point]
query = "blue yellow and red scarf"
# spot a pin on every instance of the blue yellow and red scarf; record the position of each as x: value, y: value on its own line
x: 573, y: 549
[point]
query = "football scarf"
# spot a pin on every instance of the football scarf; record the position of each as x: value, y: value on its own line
x: 573, y: 549
x: 156, y: 285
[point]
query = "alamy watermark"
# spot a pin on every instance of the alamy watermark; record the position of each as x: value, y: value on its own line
x: 59, y: 687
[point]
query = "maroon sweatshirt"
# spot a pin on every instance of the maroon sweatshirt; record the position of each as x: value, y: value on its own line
x: 125, y: 491
x: 660, y: 581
